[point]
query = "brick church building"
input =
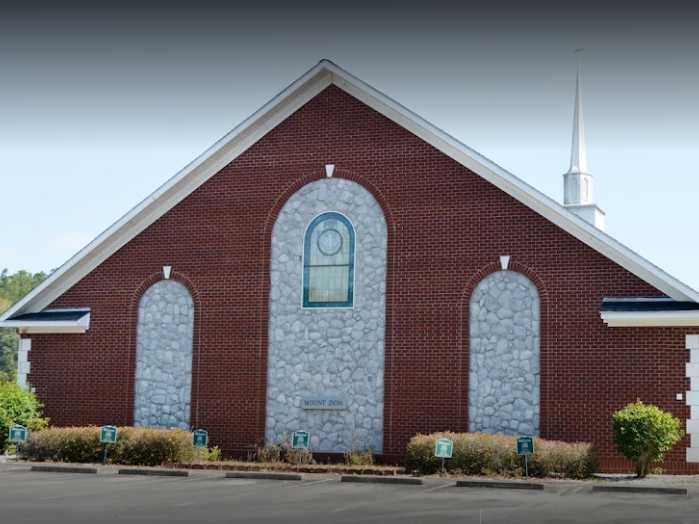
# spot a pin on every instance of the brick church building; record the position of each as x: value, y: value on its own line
x: 339, y: 265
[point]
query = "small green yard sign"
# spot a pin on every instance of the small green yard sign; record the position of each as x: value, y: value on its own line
x: 300, y: 440
x: 200, y: 438
x: 525, y: 446
x: 108, y: 435
x: 443, y: 448
x: 18, y: 434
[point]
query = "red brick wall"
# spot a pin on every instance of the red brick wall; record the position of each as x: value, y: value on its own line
x: 447, y: 228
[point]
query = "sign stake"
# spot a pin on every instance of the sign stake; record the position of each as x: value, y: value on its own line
x: 526, y: 467
x: 300, y: 440
x: 18, y: 435
x: 443, y: 449
x: 108, y: 435
x: 525, y: 446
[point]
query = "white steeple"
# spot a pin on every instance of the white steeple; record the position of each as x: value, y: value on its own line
x: 578, y: 154
x: 578, y: 194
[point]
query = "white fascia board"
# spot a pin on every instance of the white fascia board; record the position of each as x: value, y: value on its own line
x: 54, y: 330
x: 650, y: 318
x: 44, y: 327
x: 48, y: 326
x: 274, y: 112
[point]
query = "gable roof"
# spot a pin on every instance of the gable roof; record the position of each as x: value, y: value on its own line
x: 242, y: 137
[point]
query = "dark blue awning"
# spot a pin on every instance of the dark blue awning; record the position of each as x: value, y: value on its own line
x: 643, y: 304
x: 75, y: 320
x: 68, y: 315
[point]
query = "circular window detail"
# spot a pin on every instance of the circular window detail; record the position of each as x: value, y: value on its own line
x: 330, y: 242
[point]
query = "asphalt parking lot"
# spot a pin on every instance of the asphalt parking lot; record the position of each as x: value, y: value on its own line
x: 33, y: 497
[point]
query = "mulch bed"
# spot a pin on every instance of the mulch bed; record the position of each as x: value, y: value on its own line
x: 304, y: 468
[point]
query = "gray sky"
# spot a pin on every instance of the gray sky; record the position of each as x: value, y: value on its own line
x: 98, y: 107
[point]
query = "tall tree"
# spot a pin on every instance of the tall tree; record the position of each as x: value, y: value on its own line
x: 12, y: 288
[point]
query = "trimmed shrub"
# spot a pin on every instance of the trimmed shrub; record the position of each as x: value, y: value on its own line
x: 153, y: 447
x: 576, y: 460
x: 208, y: 454
x: 18, y: 406
x: 72, y: 444
x: 644, y: 434
x: 135, y: 446
x: 298, y: 456
x: 486, y: 454
x: 357, y: 457
x: 270, y: 453
x: 283, y: 452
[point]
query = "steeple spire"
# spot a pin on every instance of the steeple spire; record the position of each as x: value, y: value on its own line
x: 578, y: 191
x: 578, y: 155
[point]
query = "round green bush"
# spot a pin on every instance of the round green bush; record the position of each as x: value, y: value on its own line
x: 644, y: 434
x: 18, y: 406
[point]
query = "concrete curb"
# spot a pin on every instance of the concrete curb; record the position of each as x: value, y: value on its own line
x: 372, y: 479
x: 641, y: 489
x: 262, y: 475
x: 63, y: 469
x: 154, y: 472
x: 499, y: 484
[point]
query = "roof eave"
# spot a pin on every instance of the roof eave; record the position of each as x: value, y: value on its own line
x: 650, y: 318
x: 175, y: 189
x: 525, y: 193
x: 275, y: 111
x: 29, y: 327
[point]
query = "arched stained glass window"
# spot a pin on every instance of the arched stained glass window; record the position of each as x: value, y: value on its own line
x: 328, y: 262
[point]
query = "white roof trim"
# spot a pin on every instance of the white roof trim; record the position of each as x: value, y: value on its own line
x: 49, y: 326
x: 274, y: 112
x: 650, y: 318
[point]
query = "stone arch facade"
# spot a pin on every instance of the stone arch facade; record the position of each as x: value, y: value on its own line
x: 504, y: 355
x: 334, y: 354
x: 163, y: 381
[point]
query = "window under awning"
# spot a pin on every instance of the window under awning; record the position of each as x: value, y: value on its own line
x: 51, y: 321
x: 648, y: 312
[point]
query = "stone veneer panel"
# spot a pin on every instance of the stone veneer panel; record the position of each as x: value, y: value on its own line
x: 164, y: 356
x: 504, y: 355
x: 326, y: 353
x: 692, y: 397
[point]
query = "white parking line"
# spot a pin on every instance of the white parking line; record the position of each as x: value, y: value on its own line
x: 308, y: 484
x: 441, y: 486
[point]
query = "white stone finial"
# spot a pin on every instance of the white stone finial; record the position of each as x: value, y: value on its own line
x: 329, y: 170
x: 167, y: 271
